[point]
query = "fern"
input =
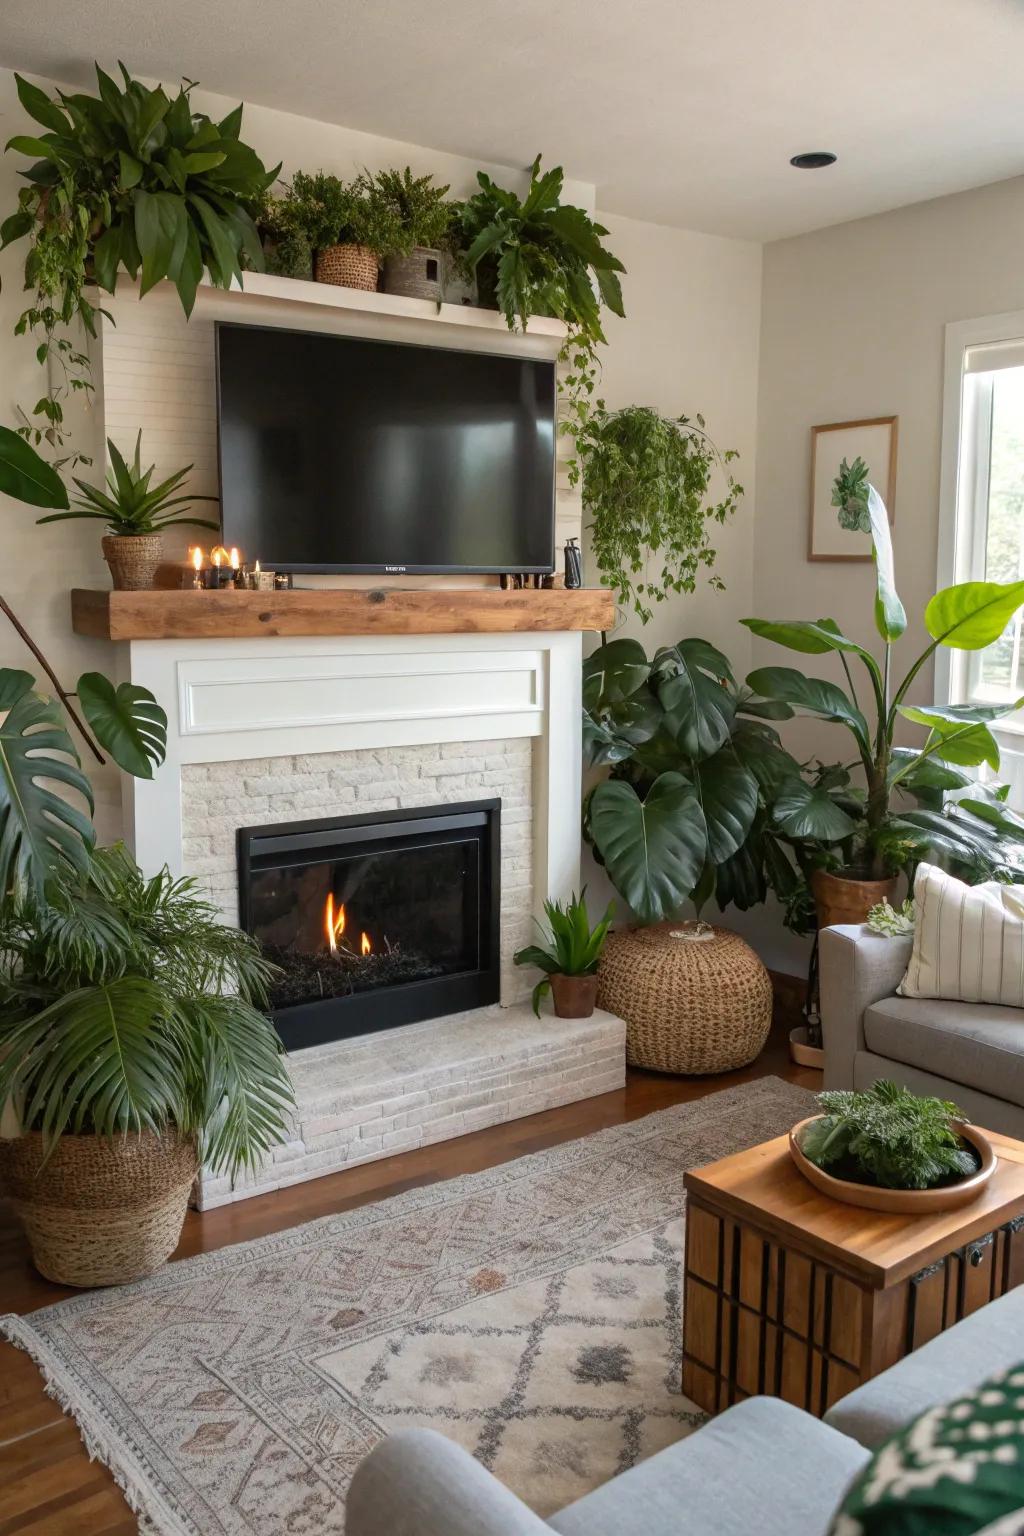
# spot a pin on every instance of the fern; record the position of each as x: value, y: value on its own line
x: 892, y: 1137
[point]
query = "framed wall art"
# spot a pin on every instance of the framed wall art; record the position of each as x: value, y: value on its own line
x: 874, y: 441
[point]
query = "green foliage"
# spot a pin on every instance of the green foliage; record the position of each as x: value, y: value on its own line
x: 889, y: 1137
x: 128, y: 505
x: 695, y: 777
x: 287, y: 251
x: 127, y: 1005
x: 903, y: 815
x: 645, y: 490
x: 850, y: 495
x: 26, y: 476
x: 128, y: 719
x: 128, y: 180
x: 570, y: 947
x: 419, y: 206
x: 537, y: 254
x: 892, y: 922
x: 328, y: 211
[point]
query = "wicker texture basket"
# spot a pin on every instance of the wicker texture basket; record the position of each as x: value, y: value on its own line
x: 347, y: 266
x: 100, y: 1212
x: 695, y: 999
x: 133, y: 559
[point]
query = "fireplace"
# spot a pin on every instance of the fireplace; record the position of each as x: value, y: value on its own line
x: 375, y: 920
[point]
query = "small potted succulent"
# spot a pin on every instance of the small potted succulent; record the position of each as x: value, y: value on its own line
x: 417, y: 269
x: 568, y: 957
x: 349, y: 227
x: 892, y: 1150
x: 136, y: 514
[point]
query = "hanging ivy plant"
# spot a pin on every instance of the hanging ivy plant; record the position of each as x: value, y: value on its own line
x: 645, y: 490
x: 130, y: 180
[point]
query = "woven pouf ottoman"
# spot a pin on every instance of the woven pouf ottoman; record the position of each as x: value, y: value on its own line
x: 696, y: 999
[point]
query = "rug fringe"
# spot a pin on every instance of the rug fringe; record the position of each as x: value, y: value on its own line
x: 155, y: 1516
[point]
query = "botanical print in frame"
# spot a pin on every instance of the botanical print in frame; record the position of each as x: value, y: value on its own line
x: 874, y: 441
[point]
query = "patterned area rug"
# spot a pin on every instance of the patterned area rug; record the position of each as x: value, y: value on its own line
x: 531, y: 1312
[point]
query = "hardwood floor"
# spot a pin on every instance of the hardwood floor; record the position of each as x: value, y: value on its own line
x: 48, y: 1486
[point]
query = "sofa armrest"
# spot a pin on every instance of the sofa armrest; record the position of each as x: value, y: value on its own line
x: 857, y: 968
x: 419, y: 1483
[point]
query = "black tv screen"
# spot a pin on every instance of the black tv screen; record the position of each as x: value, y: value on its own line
x: 341, y: 454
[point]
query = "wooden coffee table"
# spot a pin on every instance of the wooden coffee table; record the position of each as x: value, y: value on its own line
x: 792, y: 1294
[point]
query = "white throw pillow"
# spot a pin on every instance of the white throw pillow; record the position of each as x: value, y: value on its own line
x: 968, y: 940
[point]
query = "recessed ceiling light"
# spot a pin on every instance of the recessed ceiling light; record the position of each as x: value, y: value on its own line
x: 813, y: 160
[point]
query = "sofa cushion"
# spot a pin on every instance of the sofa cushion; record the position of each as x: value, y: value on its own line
x: 990, y: 1340
x: 973, y: 1043
x: 968, y: 940
x: 759, y: 1467
x: 956, y: 1470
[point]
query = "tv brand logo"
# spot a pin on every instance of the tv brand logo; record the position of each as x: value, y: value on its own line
x: 394, y: 569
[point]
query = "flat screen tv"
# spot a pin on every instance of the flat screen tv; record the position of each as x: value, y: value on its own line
x: 342, y: 454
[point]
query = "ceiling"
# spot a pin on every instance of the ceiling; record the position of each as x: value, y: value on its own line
x: 684, y: 112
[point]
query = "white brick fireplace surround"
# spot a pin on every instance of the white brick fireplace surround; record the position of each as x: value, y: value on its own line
x: 280, y: 729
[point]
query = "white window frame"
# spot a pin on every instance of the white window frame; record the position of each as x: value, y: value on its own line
x: 963, y: 487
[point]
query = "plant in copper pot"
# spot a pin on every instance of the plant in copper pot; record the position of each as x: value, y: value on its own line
x: 890, y: 1149
x: 568, y: 957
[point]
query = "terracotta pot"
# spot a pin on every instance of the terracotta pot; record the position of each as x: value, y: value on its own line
x: 574, y: 996
x: 906, y: 1202
x: 133, y: 559
x: 348, y: 266
x: 845, y: 899
x: 100, y: 1212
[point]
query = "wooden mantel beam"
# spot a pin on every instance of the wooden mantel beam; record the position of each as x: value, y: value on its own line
x: 190, y: 615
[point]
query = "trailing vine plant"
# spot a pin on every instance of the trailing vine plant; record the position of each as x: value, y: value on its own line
x: 646, y: 479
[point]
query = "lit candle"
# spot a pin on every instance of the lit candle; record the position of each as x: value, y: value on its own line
x: 197, y: 567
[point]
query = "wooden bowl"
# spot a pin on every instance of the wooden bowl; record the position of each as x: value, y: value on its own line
x: 908, y: 1202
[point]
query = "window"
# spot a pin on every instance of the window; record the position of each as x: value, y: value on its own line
x: 983, y: 496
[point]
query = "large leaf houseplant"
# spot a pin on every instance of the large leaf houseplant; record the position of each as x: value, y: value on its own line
x: 920, y: 801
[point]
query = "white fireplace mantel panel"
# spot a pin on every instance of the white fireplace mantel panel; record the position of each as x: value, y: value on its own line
x: 235, y: 700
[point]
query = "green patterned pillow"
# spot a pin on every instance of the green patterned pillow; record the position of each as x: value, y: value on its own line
x: 958, y: 1470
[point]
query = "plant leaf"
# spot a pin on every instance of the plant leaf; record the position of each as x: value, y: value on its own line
x: 614, y: 671
x: 727, y: 792
x: 698, y: 709
x: 40, y: 831
x: 127, y: 721
x: 812, y: 694
x: 26, y: 476
x: 890, y: 614
x: 972, y: 614
x: 654, y: 850
x: 805, y: 810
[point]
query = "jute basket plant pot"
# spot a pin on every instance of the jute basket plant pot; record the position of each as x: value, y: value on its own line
x: 347, y: 266
x: 133, y: 559
x: 839, y: 899
x: 906, y: 1202
x: 420, y: 275
x: 574, y: 997
x: 100, y: 1212
x: 696, y: 999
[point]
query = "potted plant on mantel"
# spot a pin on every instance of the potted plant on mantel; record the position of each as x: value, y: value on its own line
x: 349, y: 227
x: 130, y: 1043
x: 902, y: 815
x: 888, y: 1149
x: 135, y: 515
x: 568, y: 957
x: 416, y: 268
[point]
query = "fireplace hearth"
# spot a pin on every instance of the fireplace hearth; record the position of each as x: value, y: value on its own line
x: 375, y: 920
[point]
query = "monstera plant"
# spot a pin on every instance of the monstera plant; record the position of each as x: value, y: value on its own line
x: 921, y: 801
x: 696, y: 769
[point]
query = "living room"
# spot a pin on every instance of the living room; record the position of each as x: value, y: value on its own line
x: 510, y: 799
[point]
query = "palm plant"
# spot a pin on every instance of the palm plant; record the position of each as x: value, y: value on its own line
x: 126, y: 1005
x: 888, y: 1136
x: 570, y: 947
x: 904, y: 813
x: 127, y: 504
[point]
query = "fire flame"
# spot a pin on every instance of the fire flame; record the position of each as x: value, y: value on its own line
x: 234, y: 558
x: 197, y: 558
x: 219, y: 555
x: 334, y: 925
x: 365, y: 947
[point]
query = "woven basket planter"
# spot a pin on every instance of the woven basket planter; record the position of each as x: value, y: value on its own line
x: 347, y: 266
x: 133, y: 559
x: 100, y: 1212
x: 695, y: 999
x: 420, y: 275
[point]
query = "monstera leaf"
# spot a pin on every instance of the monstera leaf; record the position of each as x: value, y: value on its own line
x: 654, y: 849
x: 699, y: 711
x: 40, y: 831
x: 611, y: 734
x: 808, y: 811
x: 728, y: 797
x: 614, y: 672
x: 127, y: 721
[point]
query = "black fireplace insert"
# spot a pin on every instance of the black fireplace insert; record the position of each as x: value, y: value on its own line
x: 375, y: 920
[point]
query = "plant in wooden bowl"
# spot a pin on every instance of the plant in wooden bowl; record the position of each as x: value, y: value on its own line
x: 892, y: 1150
x: 568, y: 957
x: 136, y: 513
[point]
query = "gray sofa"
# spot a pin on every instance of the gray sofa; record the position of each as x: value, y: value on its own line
x: 972, y: 1053
x: 761, y: 1466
